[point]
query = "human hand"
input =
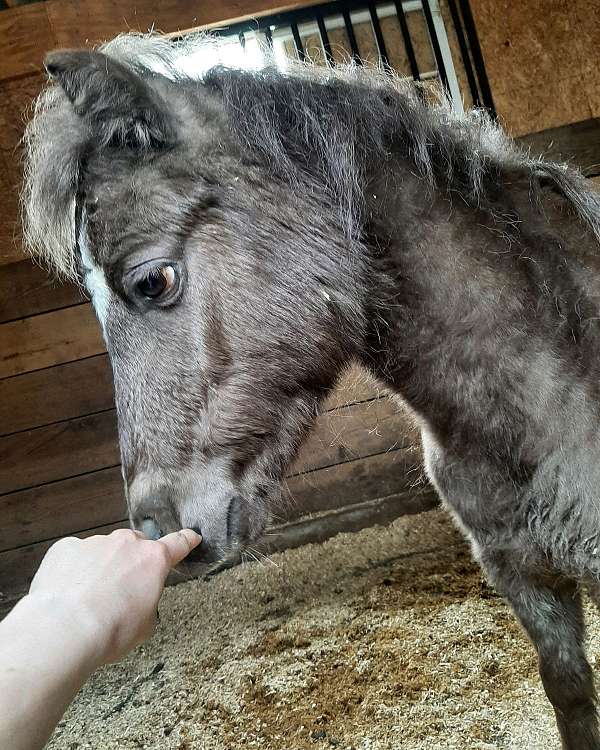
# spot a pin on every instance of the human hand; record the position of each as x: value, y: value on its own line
x: 105, y: 589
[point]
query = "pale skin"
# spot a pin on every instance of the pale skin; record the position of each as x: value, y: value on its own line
x: 91, y: 602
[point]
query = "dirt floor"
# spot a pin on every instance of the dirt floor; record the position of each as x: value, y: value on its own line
x: 387, y: 639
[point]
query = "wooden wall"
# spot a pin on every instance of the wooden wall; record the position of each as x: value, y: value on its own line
x: 28, y: 31
x: 541, y: 58
x: 59, y: 462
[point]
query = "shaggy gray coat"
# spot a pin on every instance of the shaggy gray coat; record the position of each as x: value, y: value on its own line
x: 245, y: 235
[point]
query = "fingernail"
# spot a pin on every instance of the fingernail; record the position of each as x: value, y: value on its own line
x: 197, y: 538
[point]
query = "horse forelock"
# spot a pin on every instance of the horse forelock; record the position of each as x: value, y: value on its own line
x: 467, y: 150
x: 55, y: 139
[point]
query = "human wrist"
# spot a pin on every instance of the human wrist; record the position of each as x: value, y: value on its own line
x: 58, y: 621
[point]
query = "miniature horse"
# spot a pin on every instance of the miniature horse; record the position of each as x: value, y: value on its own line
x: 246, y: 235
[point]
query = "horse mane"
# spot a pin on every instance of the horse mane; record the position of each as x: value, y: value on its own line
x: 308, y: 122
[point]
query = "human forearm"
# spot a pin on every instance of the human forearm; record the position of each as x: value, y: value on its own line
x: 90, y: 603
x: 44, y: 660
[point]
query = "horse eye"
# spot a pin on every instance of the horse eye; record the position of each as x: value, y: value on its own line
x: 157, y: 282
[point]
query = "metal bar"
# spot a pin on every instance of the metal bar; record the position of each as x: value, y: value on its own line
x: 484, y: 84
x: 464, y: 51
x: 444, y: 45
x: 351, y: 36
x: 242, y: 40
x: 383, y: 55
x: 435, y: 44
x: 324, y: 38
x: 298, y: 42
x: 297, y: 16
x: 410, y: 50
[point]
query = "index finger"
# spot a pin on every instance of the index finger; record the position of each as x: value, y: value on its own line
x: 179, y: 544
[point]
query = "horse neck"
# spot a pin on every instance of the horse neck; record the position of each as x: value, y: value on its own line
x: 413, y: 235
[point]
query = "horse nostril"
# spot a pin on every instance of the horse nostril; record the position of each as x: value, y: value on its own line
x: 199, y: 554
x: 236, y: 524
x: 150, y: 529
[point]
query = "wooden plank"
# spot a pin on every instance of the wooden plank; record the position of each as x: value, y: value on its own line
x: 354, y: 386
x: 66, y: 506
x: 66, y: 449
x: 28, y: 32
x: 11, y: 250
x: 61, y: 508
x: 16, y: 97
x: 358, y: 483
x: 578, y: 143
x: 27, y: 289
x: 317, y: 528
x: 60, y: 393
x: 76, y: 23
x: 61, y: 450
x: 353, y: 482
x: 347, y: 433
x: 10, y: 245
x: 76, y: 389
x: 25, y: 35
x: 49, y: 339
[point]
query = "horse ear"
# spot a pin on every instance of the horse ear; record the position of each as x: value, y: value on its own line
x: 120, y: 106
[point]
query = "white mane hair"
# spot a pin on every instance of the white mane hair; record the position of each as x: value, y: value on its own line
x: 466, y: 152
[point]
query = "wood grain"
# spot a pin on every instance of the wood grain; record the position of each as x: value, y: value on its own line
x: 353, y: 482
x: 49, y: 339
x: 347, y: 433
x: 63, y: 507
x: 354, y: 386
x: 11, y: 250
x: 25, y: 35
x: 27, y: 289
x: 58, y: 451
x: 66, y: 449
x: 536, y: 72
x: 28, y: 32
x: 55, y: 394
x: 10, y: 243
x: 16, y: 97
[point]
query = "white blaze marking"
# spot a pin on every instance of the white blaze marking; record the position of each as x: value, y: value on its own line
x: 94, y: 279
